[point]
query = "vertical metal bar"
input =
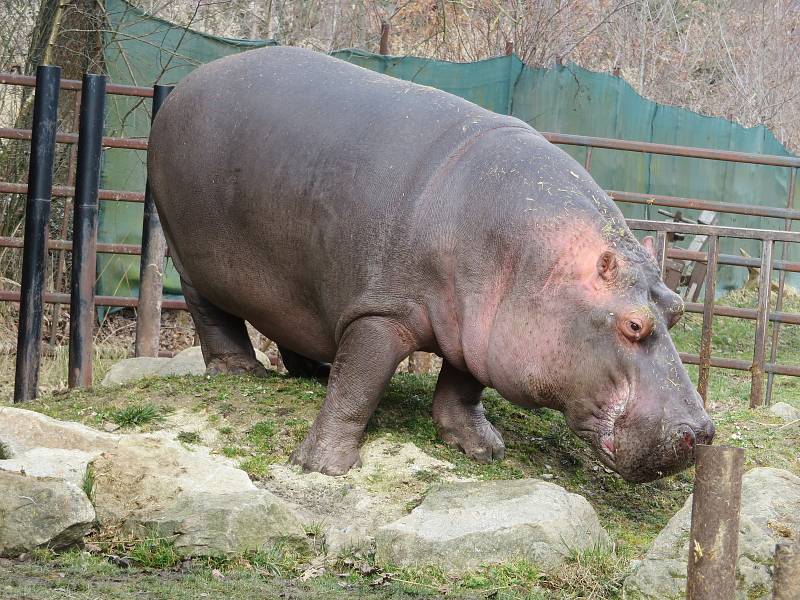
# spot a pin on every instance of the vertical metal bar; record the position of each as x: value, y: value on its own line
x: 786, y: 579
x: 710, y: 286
x: 760, y: 350
x: 714, y: 536
x: 787, y: 226
x: 661, y: 251
x: 37, y: 215
x: 84, y: 231
x: 587, y: 163
x: 151, y: 269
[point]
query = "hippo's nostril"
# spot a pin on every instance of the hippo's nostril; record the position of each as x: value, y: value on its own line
x: 705, y: 434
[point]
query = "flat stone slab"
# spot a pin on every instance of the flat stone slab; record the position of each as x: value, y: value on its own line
x: 785, y: 411
x: 770, y: 511
x: 145, y: 474
x: 224, y: 524
x: 41, y: 511
x: 352, y: 507
x: 461, y: 525
x: 187, y: 362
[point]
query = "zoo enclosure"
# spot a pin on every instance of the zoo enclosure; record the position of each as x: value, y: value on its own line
x: 759, y: 366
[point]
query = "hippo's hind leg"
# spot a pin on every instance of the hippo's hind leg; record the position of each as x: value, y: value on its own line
x: 299, y: 366
x: 460, y: 417
x: 223, y: 337
x: 367, y: 356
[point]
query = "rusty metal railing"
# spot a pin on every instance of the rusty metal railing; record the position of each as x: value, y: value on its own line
x: 758, y: 366
x: 762, y: 315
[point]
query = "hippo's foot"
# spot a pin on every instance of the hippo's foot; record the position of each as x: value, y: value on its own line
x: 460, y: 418
x: 236, y: 364
x: 328, y: 458
x: 479, y: 439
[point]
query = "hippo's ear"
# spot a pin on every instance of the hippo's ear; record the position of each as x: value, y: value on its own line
x: 607, y: 265
x: 649, y: 244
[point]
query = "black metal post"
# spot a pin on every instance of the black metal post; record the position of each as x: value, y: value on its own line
x: 37, y: 215
x: 84, y: 230
x: 151, y: 269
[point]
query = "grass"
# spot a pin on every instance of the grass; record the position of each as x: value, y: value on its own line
x: 260, y: 421
x: 135, y: 415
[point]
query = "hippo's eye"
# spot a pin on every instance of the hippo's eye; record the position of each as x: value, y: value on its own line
x: 636, y: 328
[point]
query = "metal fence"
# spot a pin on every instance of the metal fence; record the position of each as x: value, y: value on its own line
x: 759, y: 366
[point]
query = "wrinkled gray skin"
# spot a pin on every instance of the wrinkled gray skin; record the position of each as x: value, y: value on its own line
x: 355, y: 218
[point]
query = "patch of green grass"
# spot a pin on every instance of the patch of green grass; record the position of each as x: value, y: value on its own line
x: 5, y: 452
x: 135, y: 415
x: 189, y: 437
x: 155, y: 552
x: 87, y: 484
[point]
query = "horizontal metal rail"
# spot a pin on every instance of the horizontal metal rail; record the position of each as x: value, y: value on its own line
x: 75, y: 84
x: 742, y: 365
x: 732, y: 260
x: 718, y: 230
x: 102, y: 248
x: 11, y: 133
x: 66, y: 191
x: 672, y: 150
x: 122, y: 301
x: 752, y: 210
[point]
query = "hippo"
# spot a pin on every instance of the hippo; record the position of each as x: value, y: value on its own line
x: 355, y: 218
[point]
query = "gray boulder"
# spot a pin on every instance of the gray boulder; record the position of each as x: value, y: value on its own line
x: 227, y: 523
x: 187, y: 362
x: 770, y: 512
x: 350, y: 509
x: 461, y: 525
x: 787, y: 412
x: 146, y: 474
x: 59, y: 463
x: 23, y: 430
x: 132, y: 369
x: 39, y: 511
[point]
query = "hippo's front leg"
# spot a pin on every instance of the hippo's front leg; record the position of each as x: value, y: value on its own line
x: 460, y: 417
x: 368, y: 354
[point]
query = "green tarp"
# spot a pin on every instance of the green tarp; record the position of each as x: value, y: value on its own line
x: 143, y: 50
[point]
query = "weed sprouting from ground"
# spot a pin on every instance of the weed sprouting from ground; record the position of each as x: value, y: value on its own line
x: 135, y: 415
x: 87, y: 485
x: 5, y: 451
x: 155, y: 552
x: 189, y: 437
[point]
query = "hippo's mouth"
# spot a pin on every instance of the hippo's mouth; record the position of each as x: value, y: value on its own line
x: 601, y: 435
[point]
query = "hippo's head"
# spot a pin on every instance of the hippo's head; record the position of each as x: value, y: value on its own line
x: 588, y: 334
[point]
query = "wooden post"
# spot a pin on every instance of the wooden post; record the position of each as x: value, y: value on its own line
x: 385, y: 29
x: 786, y: 578
x: 714, y: 537
x: 151, y: 268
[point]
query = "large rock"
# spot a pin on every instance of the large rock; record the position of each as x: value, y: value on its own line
x: 350, y: 509
x: 69, y: 465
x: 23, y: 430
x: 462, y: 525
x: 787, y: 412
x: 187, y: 362
x: 36, y: 511
x: 223, y: 524
x: 770, y: 512
x: 146, y: 474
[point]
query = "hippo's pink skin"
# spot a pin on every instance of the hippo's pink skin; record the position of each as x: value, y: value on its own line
x: 355, y: 218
